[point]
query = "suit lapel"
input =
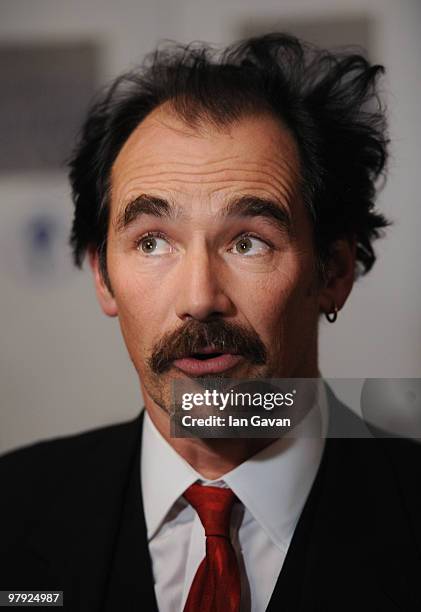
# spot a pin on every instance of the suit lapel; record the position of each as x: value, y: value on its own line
x: 339, y: 557
x: 94, y: 532
x: 131, y: 585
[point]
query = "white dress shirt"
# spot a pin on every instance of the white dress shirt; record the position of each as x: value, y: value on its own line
x: 272, y: 487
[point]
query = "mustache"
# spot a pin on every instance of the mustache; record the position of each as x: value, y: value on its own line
x: 194, y: 335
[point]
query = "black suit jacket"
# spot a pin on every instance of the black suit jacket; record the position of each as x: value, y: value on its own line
x: 72, y: 519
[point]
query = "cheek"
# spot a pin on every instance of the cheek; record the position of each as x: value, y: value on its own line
x: 284, y: 304
x: 138, y: 313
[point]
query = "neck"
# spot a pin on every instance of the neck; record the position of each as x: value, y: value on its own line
x: 210, y: 457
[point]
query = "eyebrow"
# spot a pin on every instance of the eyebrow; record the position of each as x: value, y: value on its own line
x: 243, y: 206
x: 256, y: 206
x: 145, y: 204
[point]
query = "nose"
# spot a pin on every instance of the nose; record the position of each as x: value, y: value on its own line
x: 200, y: 291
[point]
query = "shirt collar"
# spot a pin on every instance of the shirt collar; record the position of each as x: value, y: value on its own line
x: 165, y: 475
x: 273, y: 484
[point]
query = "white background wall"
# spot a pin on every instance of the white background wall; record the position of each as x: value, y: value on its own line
x: 63, y: 366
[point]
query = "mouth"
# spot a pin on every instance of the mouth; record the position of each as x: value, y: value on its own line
x: 208, y: 360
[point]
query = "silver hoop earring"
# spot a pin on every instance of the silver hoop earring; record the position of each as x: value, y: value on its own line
x: 333, y: 315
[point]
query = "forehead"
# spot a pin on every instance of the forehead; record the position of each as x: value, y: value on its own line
x: 166, y: 157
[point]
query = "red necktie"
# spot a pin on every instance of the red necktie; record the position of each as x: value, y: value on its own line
x: 216, y: 585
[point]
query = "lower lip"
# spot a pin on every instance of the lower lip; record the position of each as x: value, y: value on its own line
x: 214, y: 365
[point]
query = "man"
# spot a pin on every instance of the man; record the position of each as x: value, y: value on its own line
x: 226, y: 203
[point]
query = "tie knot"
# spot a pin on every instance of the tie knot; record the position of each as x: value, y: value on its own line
x: 213, y: 505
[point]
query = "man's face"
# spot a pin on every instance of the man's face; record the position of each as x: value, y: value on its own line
x: 210, y: 251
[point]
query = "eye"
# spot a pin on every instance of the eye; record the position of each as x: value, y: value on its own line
x: 250, y: 245
x: 153, y: 244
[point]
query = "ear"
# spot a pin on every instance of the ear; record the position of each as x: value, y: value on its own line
x: 103, y: 293
x: 340, y: 276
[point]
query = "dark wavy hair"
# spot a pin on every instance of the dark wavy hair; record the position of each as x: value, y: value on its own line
x: 329, y: 100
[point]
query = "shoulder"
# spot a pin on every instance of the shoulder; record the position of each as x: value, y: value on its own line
x: 62, y: 448
x: 403, y: 458
x: 401, y: 455
x: 57, y: 496
x: 38, y: 471
x: 382, y: 468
